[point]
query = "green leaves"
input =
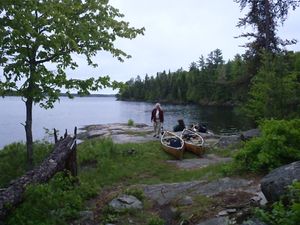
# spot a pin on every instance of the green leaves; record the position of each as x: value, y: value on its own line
x: 274, y: 90
x: 54, y: 202
x: 33, y: 33
x: 286, y: 211
x: 278, y: 145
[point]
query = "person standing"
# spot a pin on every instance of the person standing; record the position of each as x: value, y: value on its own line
x: 157, y: 117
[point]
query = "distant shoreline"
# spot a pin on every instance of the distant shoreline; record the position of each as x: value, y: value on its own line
x: 91, y: 95
x: 66, y: 95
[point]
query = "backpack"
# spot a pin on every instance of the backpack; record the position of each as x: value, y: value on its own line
x: 175, y: 142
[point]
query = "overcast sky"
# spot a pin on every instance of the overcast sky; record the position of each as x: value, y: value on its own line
x: 177, y: 33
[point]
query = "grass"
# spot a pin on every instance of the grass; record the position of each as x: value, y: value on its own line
x: 222, y: 152
x: 202, y: 206
x: 101, y: 164
x: 13, y: 160
x: 146, y: 165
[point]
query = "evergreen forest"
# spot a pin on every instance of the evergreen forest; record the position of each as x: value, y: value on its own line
x: 273, y: 88
x: 263, y: 81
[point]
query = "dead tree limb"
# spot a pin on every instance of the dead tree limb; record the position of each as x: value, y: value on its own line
x: 60, y: 159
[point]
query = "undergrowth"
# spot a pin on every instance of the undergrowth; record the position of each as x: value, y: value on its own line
x: 278, y: 145
x: 286, y: 211
x: 13, y: 160
x: 101, y: 163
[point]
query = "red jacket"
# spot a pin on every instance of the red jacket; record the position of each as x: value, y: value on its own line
x: 161, y: 115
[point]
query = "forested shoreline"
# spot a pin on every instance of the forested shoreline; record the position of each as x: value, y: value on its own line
x: 264, y: 80
x: 210, y: 81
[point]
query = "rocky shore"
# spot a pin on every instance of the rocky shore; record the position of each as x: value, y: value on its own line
x: 139, y: 133
x: 228, y: 200
x: 232, y: 197
x: 118, y: 132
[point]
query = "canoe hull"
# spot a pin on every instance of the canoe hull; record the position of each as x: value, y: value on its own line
x: 177, y: 152
x: 198, y: 150
x: 194, y: 143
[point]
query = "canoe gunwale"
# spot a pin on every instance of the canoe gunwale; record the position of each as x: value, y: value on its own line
x: 175, y: 151
x: 196, y: 148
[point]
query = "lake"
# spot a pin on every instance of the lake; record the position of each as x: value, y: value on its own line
x: 81, y: 111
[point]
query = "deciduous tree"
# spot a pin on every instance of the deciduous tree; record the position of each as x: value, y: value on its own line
x: 36, y: 33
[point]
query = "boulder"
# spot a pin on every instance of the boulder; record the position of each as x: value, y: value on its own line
x: 226, y: 141
x: 249, y: 134
x: 126, y: 202
x: 216, y: 221
x: 253, y: 221
x: 186, y: 200
x: 275, y: 184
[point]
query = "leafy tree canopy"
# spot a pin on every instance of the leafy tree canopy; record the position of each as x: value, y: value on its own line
x: 35, y: 32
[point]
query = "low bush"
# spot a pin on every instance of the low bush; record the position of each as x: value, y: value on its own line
x: 156, y: 221
x: 279, y: 144
x: 54, y: 202
x: 138, y: 193
x: 130, y: 122
x: 13, y: 160
x: 101, y: 163
x: 286, y: 211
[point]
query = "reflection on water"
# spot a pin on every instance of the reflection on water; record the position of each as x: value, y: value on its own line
x: 69, y: 113
x: 217, y: 119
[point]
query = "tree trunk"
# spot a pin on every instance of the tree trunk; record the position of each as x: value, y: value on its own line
x: 28, y: 130
x: 270, y: 43
x: 13, y: 195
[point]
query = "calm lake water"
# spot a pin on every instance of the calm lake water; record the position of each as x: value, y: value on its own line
x: 69, y: 113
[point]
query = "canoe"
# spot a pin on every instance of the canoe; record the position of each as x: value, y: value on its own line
x: 193, y: 142
x: 172, y: 144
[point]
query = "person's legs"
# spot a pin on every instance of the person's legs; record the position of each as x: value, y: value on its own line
x: 155, y: 128
x: 158, y: 126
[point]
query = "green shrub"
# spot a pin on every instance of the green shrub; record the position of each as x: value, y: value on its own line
x: 130, y: 122
x: 279, y: 144
x: 54, y: 203
x: 286, y: 211
x: 156, y: 221
x: 138, y: 193
x: 13, y: 160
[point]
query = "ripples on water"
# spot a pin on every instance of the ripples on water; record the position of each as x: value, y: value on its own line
x: 69, y: 113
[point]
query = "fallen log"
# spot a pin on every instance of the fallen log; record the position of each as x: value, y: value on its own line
x: 62, y: 157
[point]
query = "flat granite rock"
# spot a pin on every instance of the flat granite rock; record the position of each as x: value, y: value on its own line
x: 96, y: 133
x: 126, y: 202
x: 165, y: 193
x: 119, y: 132
x: 196, y: 163
x: 137, y: 133
x: 126, y: 138
x: 216, y: 221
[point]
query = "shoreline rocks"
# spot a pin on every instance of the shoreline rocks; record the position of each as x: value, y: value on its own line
x: 118, y: 132
x: 125, y: 202
x: 276, y: 183
x: 140, y: 133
